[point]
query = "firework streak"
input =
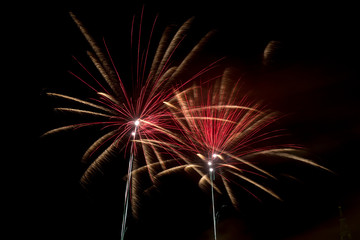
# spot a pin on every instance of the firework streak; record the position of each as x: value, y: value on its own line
x: 222, y: 132
x: 141, y: 115
x: 221, y: 136
x: 208, y: 130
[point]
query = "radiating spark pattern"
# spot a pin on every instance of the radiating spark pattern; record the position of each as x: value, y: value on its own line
x: 130, y: 115
x: 223, y: 133
x: 120, y: 112
x: 209, y: 130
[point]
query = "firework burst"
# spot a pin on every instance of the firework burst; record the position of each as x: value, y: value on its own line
x: 223, y: 131
x: 209, y: 130
x: 222, y: 138
x: 128, y: 117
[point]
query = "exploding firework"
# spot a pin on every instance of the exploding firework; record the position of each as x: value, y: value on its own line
x: 210, y: 131
x: 127, y: 117
x: 225, y: 139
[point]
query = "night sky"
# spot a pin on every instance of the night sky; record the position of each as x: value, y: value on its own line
x: 311, y: 78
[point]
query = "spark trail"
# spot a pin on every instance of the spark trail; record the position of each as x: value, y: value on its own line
x: 127, y: 116
x: 215, y: 121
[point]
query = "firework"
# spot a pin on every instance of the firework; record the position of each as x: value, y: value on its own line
x: 128, y: 117
x: 222, y: 138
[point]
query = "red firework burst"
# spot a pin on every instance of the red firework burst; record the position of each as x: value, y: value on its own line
x: 130, y: 116
x: 222, y: 132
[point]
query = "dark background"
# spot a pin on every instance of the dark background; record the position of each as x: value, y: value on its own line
x: 312, y: 78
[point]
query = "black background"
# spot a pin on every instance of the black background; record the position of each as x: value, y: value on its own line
x: 313, y: 81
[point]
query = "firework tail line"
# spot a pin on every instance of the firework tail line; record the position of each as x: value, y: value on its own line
x: 127, y: 189
x: 212, y: 176
x: 126, y: 198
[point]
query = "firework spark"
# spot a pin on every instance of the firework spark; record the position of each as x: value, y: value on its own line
x: 128, y: 117
x: 224, y: 137
x: 124, y: 113
x: 211, y: 131
x: 220, y: 138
